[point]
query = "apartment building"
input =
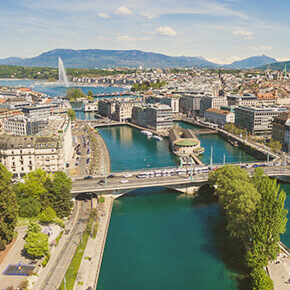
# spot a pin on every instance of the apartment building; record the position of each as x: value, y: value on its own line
x: 22, y: 154
x: 279, y: 127
x: 139, y: 116
x: 5, y: 114
x: 243, y: 100
x: 258, y: 120
x: 123, y: 108
x: 39, y: 111
x: 211, y: 102
x: 219, y: 116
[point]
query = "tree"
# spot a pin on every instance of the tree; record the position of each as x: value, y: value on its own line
x: 260, y: 280
x: 33, y: 185
x: 71, y: 114
x: 47, y: 215
x: 36, y: 244
x: 74, y: 94
x: 90, y: 95
x: 62, y: 188
x: 8, y: 208
x: 276, y: 146
x: 270, y: 221
x: 34, y: 227
x: 28, y: 206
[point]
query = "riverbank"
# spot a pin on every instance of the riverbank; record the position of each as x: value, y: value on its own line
x: 92, y: 259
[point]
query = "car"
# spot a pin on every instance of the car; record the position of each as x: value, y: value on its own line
x: 124, y: 181
x: 256, y: 165
x: 88, y: 177
x: 111, y: 175
x: 128, y: 175
x: 73, y: 180
x: 88, y: 160
x: 77, y: 163
x: 78, y: 157
x: 102, y: 181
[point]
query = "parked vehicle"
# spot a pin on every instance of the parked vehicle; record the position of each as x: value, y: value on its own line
x: 111, y: 175
x: 128, y: 175
x: 88, y: 177
x: 124, y: 181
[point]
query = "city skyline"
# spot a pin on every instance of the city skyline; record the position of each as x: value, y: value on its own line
x: 221, y: 31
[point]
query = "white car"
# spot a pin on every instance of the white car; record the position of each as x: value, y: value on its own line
x: 124, y: 181
x: 128, y: 175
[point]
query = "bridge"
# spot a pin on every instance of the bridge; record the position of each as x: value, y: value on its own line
x: 187, y: 183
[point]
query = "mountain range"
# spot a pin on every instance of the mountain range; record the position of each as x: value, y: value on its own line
x: 97, y: 58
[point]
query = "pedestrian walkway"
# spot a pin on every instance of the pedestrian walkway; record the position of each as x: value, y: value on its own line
x: 91, y: 263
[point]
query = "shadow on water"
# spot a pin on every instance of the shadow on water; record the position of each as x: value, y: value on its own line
x: 226, y: 248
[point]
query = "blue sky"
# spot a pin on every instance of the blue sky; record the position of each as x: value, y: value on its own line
x: 218, y: 30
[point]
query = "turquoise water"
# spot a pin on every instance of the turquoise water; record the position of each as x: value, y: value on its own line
x: 131, y: 150
x: 162, y: 241
x: 220, y: 147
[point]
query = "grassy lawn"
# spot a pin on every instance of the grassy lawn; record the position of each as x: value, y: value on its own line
x: 72, y: 271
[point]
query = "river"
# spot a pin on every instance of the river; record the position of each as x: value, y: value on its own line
x: 158, y: 238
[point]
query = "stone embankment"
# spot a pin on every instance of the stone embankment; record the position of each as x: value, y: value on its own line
x: 100, y: 159
x: 92, y: 259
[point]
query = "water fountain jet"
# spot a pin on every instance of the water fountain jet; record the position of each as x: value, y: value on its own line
x: 61, y: 73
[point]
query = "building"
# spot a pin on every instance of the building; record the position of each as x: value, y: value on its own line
x: 107, y: 107
x: 171, y: 101
x: 39, y: 111
x: 159, y: 118
x: 257, y: 120
x: 139, y: 116
x: 21, y: 125
x: 22, y: 154
x: 211, y: 102
x: 219, y: 116
x: 184, y: 142
x: 279, y: 127
x: 5, y: 114
x: 189, y: 104
x: 242, y: 100
x: 123, y: 109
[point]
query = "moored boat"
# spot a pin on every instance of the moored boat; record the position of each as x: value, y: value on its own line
x: 147, y: 133
x: 158, y: 138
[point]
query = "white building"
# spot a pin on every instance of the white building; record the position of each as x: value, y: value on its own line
x: 219, y: 116
x: 258, y: 120
x: 22, y: 154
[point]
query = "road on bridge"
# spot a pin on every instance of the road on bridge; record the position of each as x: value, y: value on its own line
x: 98, y: 184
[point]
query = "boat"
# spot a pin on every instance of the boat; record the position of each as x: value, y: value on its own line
x: 158, y: 138
x: 147, y: 133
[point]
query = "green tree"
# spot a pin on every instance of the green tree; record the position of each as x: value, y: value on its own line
x: 34, y: 227
x: 260, y: 280
x: 90, y: 95
x: 74, y: 94
x: 270, y: 221
x: 33, y: 185
x: 276, y: 146
x: 62, y: 187
x: 47, y: 215
x: 28, y: 206
x: 71, y: 114
x: 36, y: 244
x: 8, y: 208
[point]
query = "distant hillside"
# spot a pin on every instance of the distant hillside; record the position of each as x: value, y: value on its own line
x: 96, y: 58
x: 276, y: 66
x: 251, y: 62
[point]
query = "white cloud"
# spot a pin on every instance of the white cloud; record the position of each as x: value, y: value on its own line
x: 149, y: 15
x: 130, y: 38
x: 124, y: 11
x: 244, y: 34
x: 261, y: 47
x: 103, y: 15
x: 165, y: 31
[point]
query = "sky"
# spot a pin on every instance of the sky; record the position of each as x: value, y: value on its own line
x: 218, y: 30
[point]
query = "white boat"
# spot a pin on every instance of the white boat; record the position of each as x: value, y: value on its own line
x: 147, y: 133
x: 158, y: 138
